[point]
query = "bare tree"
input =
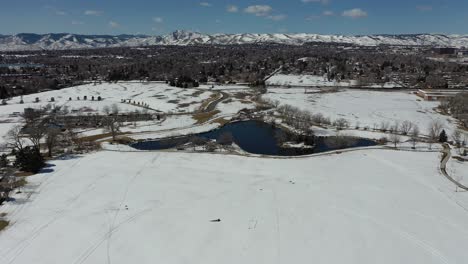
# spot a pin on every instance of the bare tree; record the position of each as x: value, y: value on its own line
x: 462, y: 148
x: 458, y: 177
x: 51, y: 137
x: 106, y: 109
x: 15, y: 139
x: 414, y: 135
x: 395, y: 139
x: 35, y: 132
x: 112, y: 125
x: 31, y: 116
x: 434, y: 129
x: 456, y: 137
x: 115, y: 109
x: 72, y: 139
x: 198, y: 141
x: 341, y: 123
x: 384, y: 125
x: 406, y: 127
x: 395, y: 128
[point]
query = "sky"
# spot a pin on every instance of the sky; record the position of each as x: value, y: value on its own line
x: 157, y: 17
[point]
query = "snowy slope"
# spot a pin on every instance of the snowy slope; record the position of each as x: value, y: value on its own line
x: 366, y: 108
x: 109, y: 207
x: 73, y: 41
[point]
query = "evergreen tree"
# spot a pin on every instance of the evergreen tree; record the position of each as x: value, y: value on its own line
x: 443, y: 137
x: 29, y: 159
x: 3, y: 161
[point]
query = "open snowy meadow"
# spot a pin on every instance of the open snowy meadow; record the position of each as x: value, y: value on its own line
x: 364, y: 107
x: 374, y: 206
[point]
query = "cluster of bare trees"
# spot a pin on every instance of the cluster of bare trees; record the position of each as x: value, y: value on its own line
x: 457, y: 106
x: 460, y: 140
x: 303, y: 120
x: 339, y: 141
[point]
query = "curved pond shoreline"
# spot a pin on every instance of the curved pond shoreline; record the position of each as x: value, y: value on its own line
x: 258, y: 137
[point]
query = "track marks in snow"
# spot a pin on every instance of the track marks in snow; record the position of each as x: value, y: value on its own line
x: 13, y: 252
x: 122, y: 201
x: 104, y: 237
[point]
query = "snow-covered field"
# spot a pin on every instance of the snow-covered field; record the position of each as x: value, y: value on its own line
x: 318, y: 81
x: 365, y: 107
x: 304, y: 80
x: 458, y: 169
x: 377, y: 206
x: 158, y: 96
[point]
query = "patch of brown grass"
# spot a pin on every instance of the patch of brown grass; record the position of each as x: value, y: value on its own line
x: 221, y: 121
x: 3, y: 224
x: 197, y: 93
x: 241, y: 95
x: 246, y: 101
x: 460, y: 158
x: 23, y: 174
x: 212, y: 98
x: 100, y: 136
x: 204, y: 117
x: 124, y: 140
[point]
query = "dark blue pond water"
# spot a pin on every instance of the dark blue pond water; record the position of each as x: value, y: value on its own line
x: 259, y: 138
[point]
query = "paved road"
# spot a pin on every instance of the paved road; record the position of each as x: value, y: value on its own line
x: 446, y: 155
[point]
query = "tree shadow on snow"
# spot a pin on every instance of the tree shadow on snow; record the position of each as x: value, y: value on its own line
x: 68, y: 157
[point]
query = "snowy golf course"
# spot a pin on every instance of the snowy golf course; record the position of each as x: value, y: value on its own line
x: 364, y: 107
x: 377, y: 206
x: 120, y: 205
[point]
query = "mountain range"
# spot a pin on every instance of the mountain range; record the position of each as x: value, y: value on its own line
x: 64, y: 41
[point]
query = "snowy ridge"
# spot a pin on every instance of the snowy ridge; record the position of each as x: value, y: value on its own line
x: 66, y: 41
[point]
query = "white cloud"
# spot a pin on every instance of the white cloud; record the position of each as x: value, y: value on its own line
x: 316, y: 1
x: 206, y: 4
x: 57, y: 11
x: 259, y: 10
x: 92, y: 13
x: 424, y: 8
x: 232, y: 9
x: 113, y: 24
x: 277, y: 17
x: 158, y: 19
x: 355, y: 13
x: 61, y: 13
x: 312, y: 17
x: 328, y: 13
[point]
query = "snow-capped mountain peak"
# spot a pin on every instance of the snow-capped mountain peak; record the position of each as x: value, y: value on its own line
x: 63, y: 41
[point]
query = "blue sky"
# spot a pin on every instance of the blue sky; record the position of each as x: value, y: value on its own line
x: 157, y: 17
